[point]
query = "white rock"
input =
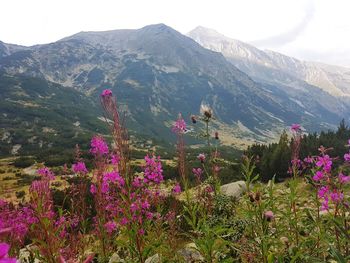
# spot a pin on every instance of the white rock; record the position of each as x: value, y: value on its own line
x: 154, y: 259
x: 234, y: 189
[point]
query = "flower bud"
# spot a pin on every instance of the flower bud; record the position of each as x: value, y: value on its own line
x: 216, y: 135
x: 251, y: 197
x: 269, y: 216
x: 257, y: 196
x: 193, y: 119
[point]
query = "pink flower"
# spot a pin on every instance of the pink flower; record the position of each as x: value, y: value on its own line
x: 336, y: 197
x: 318, y: 176
x: 197, y: 172
x: 269, y: 215
x: 325, y: 162
x: 347, y: 157
x: 46, y: 173
x: 308, y: 160
x: 124, y: 221
x: 93, y: 189
x: 295, y: 128
x: 149, y: 215
x: 115, y: 159
x: 110, y: 226
x: 79, y: 168
x: 141, y: 232
x: 133, y: 207
x: 323, y: 191
x: 179, y: 126
x: 98, y: 146
x: 4, y: 249
x: 106, y: 93
x: 201, y: 157
x: 153, y: 171
x: 343, y: 179
x: 177, y: 189
x: 104, y: 187
x: 325, y: 204
x: 112, y: 177
x: 217, y: 169
x: 145, y: 205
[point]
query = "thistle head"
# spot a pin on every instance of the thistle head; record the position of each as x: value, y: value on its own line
x: 206, y: 111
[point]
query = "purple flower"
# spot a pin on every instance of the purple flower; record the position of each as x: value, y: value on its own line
x: 179, y: 126
x: 133, y: 207
x: 336, y: 197
x: 141, y: 232
x: 153, y: 171
x: 325, y: 162
x: 295, y: 128
x: 177, y: 189
x: 197, y: 172
x: 115, y: 159
x: 343, y: 179
x: 347, y: 157
x: 124, y: 221
x: 98, y: 146
x: 325, y: 204
x: 106, y: 93
x: 79, y: 168
x: 93, y: 189
x: 46, y: 173
x: 323, y: 191
x: 145, y: 205
x: 110, y: 226
x: 318, y: 176
x: 308, y: 160
x: 104, y: 187
x: 4, y: 249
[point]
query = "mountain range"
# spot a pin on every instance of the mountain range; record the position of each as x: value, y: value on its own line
x: 50, y: 92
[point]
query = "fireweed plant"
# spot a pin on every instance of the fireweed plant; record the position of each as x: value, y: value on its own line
x: 309, y: 221
x: 113, y: 208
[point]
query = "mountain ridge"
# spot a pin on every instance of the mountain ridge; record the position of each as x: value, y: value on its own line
x: 240, y: 54
x: 156, y: 72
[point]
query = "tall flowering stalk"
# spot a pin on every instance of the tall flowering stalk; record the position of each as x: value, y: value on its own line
x: 129, y: 198
x: 211, y: 172
x: 179, y: 128
x: 330, y: 187
x: 118, y: 131
x: 294, y: 182
x: 295, y: 147
x: 47, y: 226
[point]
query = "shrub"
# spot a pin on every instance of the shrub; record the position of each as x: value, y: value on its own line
x: 23, y: 162
x: 20, y: 194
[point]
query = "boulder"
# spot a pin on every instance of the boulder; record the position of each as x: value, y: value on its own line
x: 235, y: 189
x: 191, y: 254
x: 154, y: 259
x: 115, y: 258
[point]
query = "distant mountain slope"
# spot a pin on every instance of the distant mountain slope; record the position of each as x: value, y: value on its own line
x: 156, y: 72
x: 275, y: 67
x: 38, y: 115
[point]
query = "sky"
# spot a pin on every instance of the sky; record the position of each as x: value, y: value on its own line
x: 317, y: 30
